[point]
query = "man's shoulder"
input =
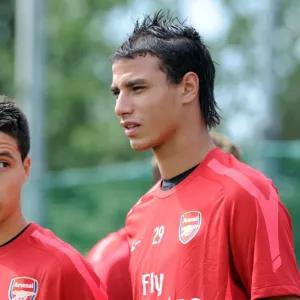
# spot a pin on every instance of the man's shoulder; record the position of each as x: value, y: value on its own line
x: 73, y: 268
x: 50, y: 247
x: 150, y: 195
x: 60, y: 264
x: 238, y: 180
x: 108, y: 245
x: 110, y: 256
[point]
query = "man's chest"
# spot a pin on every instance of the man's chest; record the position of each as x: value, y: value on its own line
x: 171, y: 248
x: 24, y: 279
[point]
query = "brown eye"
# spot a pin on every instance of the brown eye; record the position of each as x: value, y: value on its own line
x: 4, y: 164
x: 136, y: 88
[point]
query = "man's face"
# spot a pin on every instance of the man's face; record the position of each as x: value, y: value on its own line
x: 146, y: 103
x: 13, y: 174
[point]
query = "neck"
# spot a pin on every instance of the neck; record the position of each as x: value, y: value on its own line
x: 183, y: 152
x: 11, y: 226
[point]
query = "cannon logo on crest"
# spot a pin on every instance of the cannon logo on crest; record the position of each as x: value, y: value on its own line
x: 190, y: 223
x: 23, y: 288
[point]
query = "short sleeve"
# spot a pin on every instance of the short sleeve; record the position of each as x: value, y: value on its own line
x: 261, y: 243
x: 118, y: 280
x: 110, y: 260
x: 78, y: 280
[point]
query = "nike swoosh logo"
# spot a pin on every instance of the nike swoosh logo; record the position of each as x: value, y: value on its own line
x: 134, y: 245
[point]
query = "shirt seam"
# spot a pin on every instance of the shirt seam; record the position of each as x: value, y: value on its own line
x: 274, y: 285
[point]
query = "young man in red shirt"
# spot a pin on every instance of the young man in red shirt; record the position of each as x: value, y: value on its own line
x: 34, y: 263
x: 214, y: 228
x: 110, y: 256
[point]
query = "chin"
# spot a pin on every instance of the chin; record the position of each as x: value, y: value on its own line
x: 140, y: 146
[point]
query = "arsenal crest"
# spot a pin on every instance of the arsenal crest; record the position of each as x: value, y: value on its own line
x: 190, y: 223
x: 23, y: 288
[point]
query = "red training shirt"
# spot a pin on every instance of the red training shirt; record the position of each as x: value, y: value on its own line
x: 222, y: 233
x: 38, y: 265
x: 110, y: 259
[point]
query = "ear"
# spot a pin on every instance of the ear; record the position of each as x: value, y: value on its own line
x: 190, y: 85
x: 26, y: 165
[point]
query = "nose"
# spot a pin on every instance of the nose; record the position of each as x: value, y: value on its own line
x: 123, y: 105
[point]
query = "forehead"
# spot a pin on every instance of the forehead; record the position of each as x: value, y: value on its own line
x: 141, y: 67
x: 8, y: 142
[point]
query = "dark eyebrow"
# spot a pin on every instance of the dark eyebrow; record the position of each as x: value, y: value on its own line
x: 7, y: 154
x: 129, y: 84
x: 133, y: 82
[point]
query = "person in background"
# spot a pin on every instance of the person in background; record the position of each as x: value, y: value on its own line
x: 34, y: 263
x: 111, y: 255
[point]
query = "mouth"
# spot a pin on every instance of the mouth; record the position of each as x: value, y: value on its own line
x: 131, y: 129
x: 131, y: 126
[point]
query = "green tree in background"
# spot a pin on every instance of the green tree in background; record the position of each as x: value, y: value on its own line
x: 245, y: 39
x: 6, y: 46
x: 82, y: 129
x: 288, y: 68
